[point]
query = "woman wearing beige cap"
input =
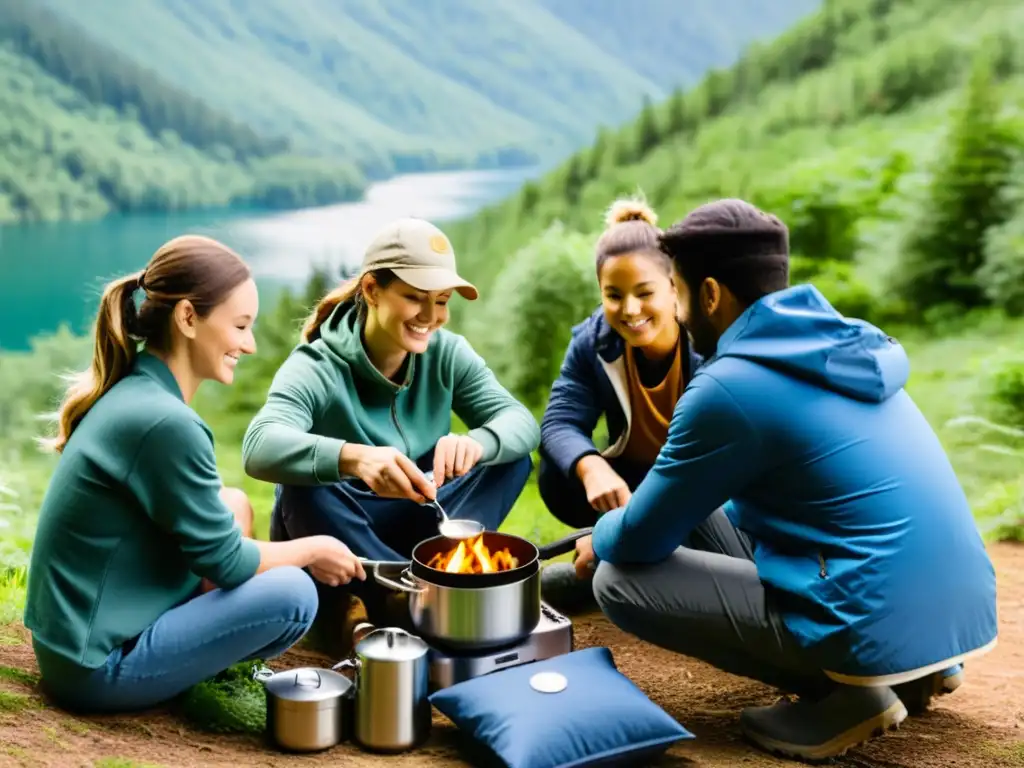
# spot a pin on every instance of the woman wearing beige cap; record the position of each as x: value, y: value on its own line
x: 361, y: 410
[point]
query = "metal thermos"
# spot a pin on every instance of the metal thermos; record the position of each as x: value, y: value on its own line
x: 392, y: 708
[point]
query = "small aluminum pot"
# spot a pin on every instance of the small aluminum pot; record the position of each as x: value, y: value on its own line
x: 476, y: 611
x: 308, y: 709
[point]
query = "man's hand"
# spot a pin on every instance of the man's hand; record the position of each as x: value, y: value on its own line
x: 454, y: 456
x: 585, y: 558
x: 605, y: 489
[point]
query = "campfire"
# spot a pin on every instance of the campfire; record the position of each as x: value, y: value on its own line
x: 472, y: 556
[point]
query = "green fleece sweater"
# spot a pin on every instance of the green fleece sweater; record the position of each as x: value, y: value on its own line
x: 328, y: 392
x: 131, y: 520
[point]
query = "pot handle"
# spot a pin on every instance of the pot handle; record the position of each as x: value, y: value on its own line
x: 386, y: 563
x: 400, y: 586
x: 349, y: 664
x: 562, y: 546
x: 261, y: 672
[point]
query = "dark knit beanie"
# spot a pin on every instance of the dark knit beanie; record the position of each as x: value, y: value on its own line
x: 742, y: 247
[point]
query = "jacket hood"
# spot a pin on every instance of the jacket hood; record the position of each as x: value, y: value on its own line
x: 796, y: 331
x: 342, y: 334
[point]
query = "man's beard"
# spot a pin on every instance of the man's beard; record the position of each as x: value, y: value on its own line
x: 703, y: 335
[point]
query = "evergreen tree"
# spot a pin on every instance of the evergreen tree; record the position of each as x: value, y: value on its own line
x: 944, y: 246
x: 647, y: 133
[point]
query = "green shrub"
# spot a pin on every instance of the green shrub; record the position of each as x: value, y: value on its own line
x: 525, y: 325
x: 1001, y: 511
x: 1006, y: 386
x: 839, y: 283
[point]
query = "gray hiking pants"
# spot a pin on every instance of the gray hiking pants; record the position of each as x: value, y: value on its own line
x: 707, y: 602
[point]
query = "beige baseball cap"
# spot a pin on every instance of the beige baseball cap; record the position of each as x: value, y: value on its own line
x: 418, y: 253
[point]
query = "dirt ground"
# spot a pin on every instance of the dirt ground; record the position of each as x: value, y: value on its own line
x: 981, y: 724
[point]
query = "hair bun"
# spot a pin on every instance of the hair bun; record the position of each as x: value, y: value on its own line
x: 630, y: 210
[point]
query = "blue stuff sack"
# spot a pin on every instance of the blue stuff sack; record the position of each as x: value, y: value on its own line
x: 591, y: 715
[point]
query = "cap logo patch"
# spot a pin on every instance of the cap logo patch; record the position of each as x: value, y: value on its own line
x: 438, y: 244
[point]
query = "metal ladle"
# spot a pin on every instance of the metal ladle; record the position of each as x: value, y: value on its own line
x: 452, y: 529
x: 458, y: 529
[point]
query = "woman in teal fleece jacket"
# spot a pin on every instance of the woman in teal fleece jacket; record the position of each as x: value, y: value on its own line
x: 145, y: 578
x: 359, y: 415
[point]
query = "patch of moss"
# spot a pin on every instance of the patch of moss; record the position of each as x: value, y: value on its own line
x: 54, y: 737
x: 1007, y: 754
x: 75, y: 726
x: 231, y: 702
x: 9, y: 638
x: 121, y: 762
x: 1016, y: 753
x: 16, y: 702
x: 17, y: 752
x: 15, y: 675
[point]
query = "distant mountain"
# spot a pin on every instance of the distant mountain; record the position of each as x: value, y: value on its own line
x: 85, y: 132
x: 407, y: 84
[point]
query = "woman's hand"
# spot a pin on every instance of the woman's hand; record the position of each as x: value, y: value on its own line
x: 333, y: 563
x: 605, y: 489
x: 454, y: 456
x: 388, y: 472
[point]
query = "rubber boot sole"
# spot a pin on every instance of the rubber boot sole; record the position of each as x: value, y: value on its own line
x: 862, y: 733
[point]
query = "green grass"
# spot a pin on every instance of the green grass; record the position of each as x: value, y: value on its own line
x: 18, y: 676
x: 18, y: 702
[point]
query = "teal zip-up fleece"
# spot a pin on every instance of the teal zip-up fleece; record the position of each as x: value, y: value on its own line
x: 328, y: 393
x: 131, y: 520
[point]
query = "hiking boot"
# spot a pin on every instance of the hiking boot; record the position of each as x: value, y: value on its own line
x: 814, y: 730
x: 917, y: 694
x: 562, y: 590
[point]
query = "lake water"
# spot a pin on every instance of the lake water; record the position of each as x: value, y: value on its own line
x: 53, y: 273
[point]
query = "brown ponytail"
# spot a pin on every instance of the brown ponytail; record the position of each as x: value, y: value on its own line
x: 349, y: 291
x: 114, y: 351
x: 191, y: 267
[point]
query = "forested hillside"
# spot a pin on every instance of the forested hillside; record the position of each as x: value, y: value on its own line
x: 839, y: 126
x: 397, y: 85
x: 85, y: 132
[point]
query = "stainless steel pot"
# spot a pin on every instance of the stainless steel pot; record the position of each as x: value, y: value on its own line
x: 476, y: 611
x: 392, y: 711
x: 308, y: 709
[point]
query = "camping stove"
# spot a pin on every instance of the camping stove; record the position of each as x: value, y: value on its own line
x: 552, y: 637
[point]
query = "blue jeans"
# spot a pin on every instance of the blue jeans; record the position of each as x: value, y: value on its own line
x: 388, y: 529
x: 193, y: 642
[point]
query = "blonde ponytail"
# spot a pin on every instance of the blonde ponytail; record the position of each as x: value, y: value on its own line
x: 114, y: 351
x: 347, y: 291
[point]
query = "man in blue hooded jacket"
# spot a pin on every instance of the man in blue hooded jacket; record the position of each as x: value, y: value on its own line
x: 863, y: 583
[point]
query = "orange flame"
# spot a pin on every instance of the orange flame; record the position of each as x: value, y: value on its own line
x: 472, y: 556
